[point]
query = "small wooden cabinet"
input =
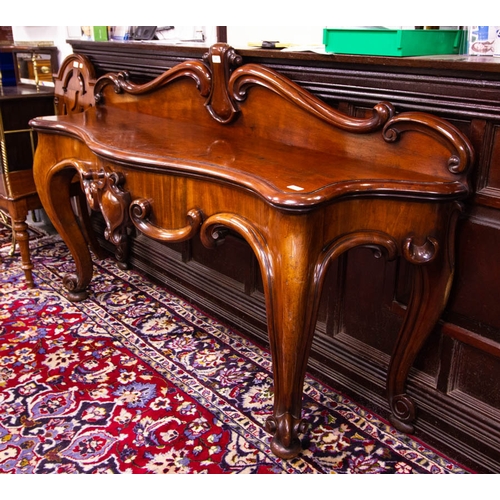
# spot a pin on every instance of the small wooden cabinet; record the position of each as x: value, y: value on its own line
x: 26, y: 91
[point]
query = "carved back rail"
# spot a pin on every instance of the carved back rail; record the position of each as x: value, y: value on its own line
x: 74, y: 85
x: 238, y: 103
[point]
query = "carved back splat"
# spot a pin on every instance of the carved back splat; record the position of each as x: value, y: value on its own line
x: 74, y: 85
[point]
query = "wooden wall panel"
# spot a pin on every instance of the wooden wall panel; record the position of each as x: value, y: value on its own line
x: 475, y: 294
x: 477, y: 376
x: 368, y: 295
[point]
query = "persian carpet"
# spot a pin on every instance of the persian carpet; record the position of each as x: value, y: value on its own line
x: 135, y: 380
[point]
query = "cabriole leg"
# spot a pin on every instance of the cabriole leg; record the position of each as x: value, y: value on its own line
x: 292, y: 313
x: 55, y: 194
x: 433, y: 266
x: 291, y: 289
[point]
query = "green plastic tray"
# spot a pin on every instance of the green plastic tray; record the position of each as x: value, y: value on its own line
x: 387, y: 42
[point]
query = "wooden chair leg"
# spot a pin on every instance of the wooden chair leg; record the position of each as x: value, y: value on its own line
x: 13, y: 243
x: 20, y: 231
x: 4, y: 219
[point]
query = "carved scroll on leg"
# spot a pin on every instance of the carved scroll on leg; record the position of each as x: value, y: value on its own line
x: 82, y: 211
x: 105, y: 193
x: 140, y: 211
x: 433, y: 266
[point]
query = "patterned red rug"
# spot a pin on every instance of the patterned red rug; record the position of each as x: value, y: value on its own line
x: 134, y: 380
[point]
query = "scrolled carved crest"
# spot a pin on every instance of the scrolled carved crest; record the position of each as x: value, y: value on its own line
x: 254, y: 74
x: 462, y: 153
x: 221, y: 58
x: 74, y: 85
x: 122, y: 83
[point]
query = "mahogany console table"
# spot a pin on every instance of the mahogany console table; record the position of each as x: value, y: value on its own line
x: 215, y: 145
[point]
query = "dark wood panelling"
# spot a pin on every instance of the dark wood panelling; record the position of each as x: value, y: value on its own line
x: 475, y: 293
x: 494, y: 165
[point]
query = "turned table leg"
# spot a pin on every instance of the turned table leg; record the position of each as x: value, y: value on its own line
x: 20, y: 231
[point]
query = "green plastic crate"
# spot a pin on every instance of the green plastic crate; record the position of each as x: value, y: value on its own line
x: 387, y: 42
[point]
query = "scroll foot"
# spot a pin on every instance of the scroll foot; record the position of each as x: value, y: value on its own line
x: 74, y: 293
x: 285, y: 429
x: 403, y: 413
x: 77, y: 296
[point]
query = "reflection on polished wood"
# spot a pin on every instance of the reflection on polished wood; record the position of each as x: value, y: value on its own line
x: 213, y: 145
